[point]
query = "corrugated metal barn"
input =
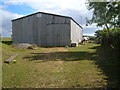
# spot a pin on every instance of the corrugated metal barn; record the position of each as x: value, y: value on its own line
x: 44, y: 29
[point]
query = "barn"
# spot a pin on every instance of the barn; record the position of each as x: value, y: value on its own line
x: 45, y: 29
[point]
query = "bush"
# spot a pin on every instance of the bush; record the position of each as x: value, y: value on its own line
x: 109, y: 37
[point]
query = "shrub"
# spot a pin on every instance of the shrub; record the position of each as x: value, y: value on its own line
x: 109, y: 37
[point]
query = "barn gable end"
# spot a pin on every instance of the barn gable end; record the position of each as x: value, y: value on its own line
x: 44, y: 29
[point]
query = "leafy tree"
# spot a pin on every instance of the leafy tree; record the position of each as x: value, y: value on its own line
x: 105, y: 14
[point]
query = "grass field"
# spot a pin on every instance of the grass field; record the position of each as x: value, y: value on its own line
x: 85, y: 66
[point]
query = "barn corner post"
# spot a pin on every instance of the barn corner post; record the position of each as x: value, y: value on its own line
x: 12, y: 32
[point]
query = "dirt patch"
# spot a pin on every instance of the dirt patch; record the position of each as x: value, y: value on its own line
x: 49, y: 50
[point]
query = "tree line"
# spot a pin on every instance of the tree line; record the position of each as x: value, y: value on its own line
x: 106, y: 15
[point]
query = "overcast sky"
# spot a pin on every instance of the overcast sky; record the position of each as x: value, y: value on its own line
x: 76, y: 9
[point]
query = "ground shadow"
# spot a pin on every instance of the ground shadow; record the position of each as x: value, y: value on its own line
x: 7, y: 42
x: 108, y: 60
x: 64, y: 56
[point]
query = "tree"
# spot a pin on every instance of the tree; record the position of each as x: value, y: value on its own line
x: 105, y: 14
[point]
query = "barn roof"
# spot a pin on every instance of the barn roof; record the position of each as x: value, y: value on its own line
x: 47, y: 14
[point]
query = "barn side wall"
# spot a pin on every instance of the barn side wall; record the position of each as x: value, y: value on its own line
x: 42, y: 29
x: 76, y: 32
x: 22, y: 30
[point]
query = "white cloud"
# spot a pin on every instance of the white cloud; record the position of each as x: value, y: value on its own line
x: 89, y: 34
x: 63, y: 4
x: 5, y: 24
x: 62, y: 7
x: 74, y: 8
x: 53, y: 6
x: 71, y: 4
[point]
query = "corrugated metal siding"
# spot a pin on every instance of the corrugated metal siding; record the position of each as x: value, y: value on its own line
x: 76, y: 32
x: 57, y: 35
x: 23, y: 30
x: 53, y: 28
x: 27, y: 30
x: 43, y: 30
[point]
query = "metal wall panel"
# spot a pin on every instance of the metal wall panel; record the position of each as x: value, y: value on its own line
x: 76, y: 32
x: 49, y: 29
x: 23, y: 30
x: 26, y: 31
x: 58, y: 35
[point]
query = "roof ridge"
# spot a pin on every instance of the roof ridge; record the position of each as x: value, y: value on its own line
x: 48, y: 14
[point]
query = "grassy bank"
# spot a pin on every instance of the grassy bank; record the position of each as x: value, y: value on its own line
x: 85, y: 66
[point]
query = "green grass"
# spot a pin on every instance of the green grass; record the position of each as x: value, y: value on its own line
x: 85, y: 66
